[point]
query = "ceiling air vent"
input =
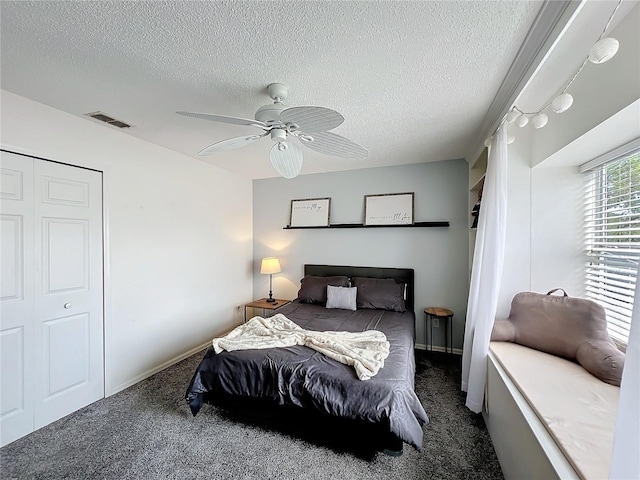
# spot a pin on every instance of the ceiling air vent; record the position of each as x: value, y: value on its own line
x: 107, y: 119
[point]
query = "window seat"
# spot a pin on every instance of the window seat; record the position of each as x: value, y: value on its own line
x: 547, y: 416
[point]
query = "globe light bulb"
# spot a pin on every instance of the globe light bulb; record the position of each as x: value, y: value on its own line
x: 540, y: 120
x: 562, y: 103
x: 512, y: 115
x: 510, y: 139
x: 522, y: 121
x: 487, y: 142
x: 604, y: 50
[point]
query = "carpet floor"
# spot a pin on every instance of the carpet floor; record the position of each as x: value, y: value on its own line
x: 147, y: 431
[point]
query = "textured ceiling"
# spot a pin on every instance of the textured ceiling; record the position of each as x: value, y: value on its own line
x: 413, y: 80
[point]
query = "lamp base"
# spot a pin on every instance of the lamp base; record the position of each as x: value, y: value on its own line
x: 271, y: 300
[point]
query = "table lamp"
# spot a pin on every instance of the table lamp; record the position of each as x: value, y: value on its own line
x: 270, y: 265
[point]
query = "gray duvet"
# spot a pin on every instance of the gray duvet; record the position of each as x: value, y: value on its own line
x: 300, y: 376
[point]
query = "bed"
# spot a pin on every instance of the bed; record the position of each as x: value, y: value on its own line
x: 301, y: 384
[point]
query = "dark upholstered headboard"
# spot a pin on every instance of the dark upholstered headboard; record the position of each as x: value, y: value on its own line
x: 404, y: 275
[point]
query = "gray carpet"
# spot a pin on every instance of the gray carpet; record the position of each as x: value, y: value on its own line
x: 147, y: 431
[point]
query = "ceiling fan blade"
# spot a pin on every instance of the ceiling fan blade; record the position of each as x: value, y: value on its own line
x: 312, y: 119
x: 286, y: 158
x: 230, y: 144
x: 224, y: 119
x: 329, y: 143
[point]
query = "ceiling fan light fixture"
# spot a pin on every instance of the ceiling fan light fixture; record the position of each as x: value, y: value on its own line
x: 286, y: 159
x: 278, y: 135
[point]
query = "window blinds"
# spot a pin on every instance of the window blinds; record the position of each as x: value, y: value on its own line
x: 612, y: 235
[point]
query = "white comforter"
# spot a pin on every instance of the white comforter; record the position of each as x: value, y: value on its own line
x: 365, y: 351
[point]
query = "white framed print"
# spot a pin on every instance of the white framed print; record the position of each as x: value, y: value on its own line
x: 389, y: 209
x: 310, y: 212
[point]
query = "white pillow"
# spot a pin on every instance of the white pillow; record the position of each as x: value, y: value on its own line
x: 341, y: 297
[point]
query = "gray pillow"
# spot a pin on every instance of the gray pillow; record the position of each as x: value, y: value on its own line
x: 341, y: 297
x: 573, y: 328
x: 313, y: 289
x: 380, y: 294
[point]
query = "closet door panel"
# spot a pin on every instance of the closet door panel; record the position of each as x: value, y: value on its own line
x: 16, y: 297
x: 51, y: 292
x: 68, y: 290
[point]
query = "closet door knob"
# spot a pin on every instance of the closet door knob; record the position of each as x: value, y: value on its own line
x: 67, y: 306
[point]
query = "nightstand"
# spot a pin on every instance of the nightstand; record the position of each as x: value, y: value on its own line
x: 264, y: 305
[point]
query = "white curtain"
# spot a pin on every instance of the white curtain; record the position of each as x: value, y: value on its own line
x: 486, y: 272
x: 625, y: 462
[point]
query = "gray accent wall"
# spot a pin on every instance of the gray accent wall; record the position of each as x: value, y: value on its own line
x: 439, y: 256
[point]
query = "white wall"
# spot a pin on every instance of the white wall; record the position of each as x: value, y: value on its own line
x: 516, y: 276
x: 439, y: 256
x: 178, y: 257
x: 557, y: 243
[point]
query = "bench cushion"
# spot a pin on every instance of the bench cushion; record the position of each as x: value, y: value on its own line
x: 578, y: 410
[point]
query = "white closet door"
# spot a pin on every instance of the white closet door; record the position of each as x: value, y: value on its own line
x: 51, y: 320
x: 68, y: 290
x: 16, y: 297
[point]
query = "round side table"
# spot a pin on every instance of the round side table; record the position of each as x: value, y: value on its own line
x: 445, y: 315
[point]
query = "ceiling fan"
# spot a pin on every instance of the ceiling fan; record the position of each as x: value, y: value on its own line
x: 309, y: 125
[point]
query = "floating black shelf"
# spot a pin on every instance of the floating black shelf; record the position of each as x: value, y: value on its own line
x: 360, y: 225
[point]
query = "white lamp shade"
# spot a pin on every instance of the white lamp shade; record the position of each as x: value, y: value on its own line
x: 270, y: 265
x: 603, y: 50
x: 286, y: 158
x: 562, y: 103
x: 510, y: 139
x: 540, y: 120
x: 487, y: 142
x: 522, y: 121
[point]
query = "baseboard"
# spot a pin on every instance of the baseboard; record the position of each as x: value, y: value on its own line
x: 157, y: 369
x: 438, y: 348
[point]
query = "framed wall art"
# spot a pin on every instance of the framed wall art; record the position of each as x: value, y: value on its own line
x: 388, y: 209
x: 310, y: 212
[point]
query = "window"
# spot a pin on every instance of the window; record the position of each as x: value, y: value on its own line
x: 612, y: 234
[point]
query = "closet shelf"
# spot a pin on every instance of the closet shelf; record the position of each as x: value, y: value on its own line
x: 476, y: 186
